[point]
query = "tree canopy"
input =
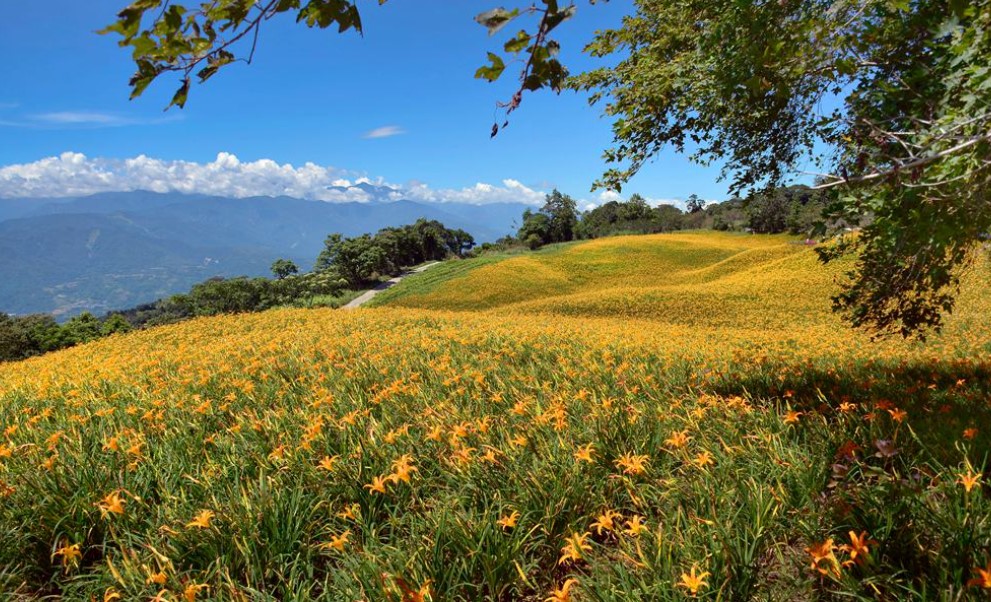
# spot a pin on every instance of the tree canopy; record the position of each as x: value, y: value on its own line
x: 888, y: 100
x: 905, y: 142
x: 556, y: 221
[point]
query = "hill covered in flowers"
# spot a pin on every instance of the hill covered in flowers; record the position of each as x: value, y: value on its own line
x: 655, y: 418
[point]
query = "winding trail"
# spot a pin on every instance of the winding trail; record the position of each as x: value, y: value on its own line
x: 369, y: 294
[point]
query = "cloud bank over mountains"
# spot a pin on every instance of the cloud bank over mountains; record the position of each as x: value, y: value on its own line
x: 75, y: 174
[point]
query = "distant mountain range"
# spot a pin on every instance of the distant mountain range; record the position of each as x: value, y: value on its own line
x: 115, y: 250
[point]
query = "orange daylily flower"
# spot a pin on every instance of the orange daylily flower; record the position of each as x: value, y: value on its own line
x: 573, y: 547
x: 158, y: 578
x: 509, y: 521
x: 112, y: 504
x: 402, y: 468
x: 70, y: 554
x: 349, y: 512
x: 858, y: 548
x: 563, y: 593
x: 703, y: 459
x: 202, y: 520
x: 584, y: 453
x: 278, y: 453
x: 824, y: 558
x: 678, y: 439
x: 327, y: 463
x: 377, y: 485
x: 792, y: 417
x: 413, y: 595
x: 606, y: 521
x: 192, y: 589
x: 898, y: 415
x: 983, y: 578
x: 632, y: 464
x: 970, y: 480
x: 337, y: 542
x: 693, y: 581
x: 634, y: 526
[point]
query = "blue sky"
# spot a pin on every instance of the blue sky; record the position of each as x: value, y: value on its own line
x: 314, y: 96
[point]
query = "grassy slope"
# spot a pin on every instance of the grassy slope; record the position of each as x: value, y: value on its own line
x: 626, y: 261
x: 611, y: 348
x: 439, y: 276
x: 691, y: 279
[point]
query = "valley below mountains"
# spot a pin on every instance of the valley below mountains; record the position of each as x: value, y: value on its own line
x: 116, y: 250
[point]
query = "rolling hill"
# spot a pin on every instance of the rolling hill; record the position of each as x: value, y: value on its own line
x: 698, y: 280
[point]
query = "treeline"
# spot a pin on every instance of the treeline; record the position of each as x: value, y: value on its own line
x: 358, y: 260
x: 795, y: 209
x: 26, y: 336
x: 345, y: 264
x: 238, y: 295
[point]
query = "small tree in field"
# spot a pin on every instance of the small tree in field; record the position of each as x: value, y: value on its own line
x: 283, y: 268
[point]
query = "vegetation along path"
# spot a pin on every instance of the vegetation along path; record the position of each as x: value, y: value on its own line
x: 368, y: 295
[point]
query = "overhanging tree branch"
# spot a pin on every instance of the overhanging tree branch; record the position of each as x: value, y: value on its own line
x: 919, y: 162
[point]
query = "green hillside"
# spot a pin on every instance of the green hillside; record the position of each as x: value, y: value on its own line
x: 663, y: 417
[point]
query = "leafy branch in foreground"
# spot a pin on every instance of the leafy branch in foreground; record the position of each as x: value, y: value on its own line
x: 198, y: 41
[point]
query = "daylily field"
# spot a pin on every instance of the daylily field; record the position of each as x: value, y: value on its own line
x: 638, y: 418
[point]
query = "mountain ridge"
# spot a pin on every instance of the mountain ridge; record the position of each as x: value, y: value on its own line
x: 114, y: 250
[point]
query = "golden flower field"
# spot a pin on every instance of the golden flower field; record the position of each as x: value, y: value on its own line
x: 663, y: 417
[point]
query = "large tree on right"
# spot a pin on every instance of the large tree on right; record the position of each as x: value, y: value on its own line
x: 888, y: 101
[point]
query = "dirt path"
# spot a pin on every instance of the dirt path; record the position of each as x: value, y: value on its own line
x: 368, y: 295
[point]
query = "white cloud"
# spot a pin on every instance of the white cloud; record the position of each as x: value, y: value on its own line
x: 80, y: 119
x: 679, y: 203
x: 384, y: 132
x: 607, y: 196
x: 75, y: 174
x: 481, y: 193
x: 77, y: 117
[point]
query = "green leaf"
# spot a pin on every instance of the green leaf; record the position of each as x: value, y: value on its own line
x: 496, y: 19
x: 138, y: 85
x: 173, y: 17
x: 179, y: 98
x: 555, y: 18
x: 147, y: 72
x: 143, y: 45
x: 517, y: 43
x: 493, y: 71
